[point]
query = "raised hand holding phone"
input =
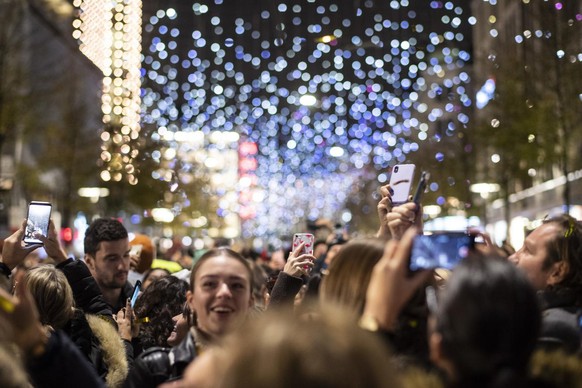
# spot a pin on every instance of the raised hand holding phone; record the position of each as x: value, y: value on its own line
x: 14, y: 251
x: 301, y: 259
x: 37, y: 221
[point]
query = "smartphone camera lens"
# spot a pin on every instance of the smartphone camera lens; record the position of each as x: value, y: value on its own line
x: 396, y: 169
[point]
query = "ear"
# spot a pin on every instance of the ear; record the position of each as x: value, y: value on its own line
x: 190, y: 299
x: 90, y: 261
x: 252, y: 300
x: 558, y: 272
x: 435, y: 342
x: 437, y: 356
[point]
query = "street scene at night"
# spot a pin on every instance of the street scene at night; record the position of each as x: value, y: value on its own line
x: 221, y: 193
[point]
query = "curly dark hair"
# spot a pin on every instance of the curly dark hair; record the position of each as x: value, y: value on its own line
x: 161, y: 301
x: 103, y: 229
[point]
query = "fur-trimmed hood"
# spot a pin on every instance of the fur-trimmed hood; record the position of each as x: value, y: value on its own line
x: 112, y: 350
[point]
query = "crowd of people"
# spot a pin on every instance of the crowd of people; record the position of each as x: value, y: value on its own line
x: 352, y: 314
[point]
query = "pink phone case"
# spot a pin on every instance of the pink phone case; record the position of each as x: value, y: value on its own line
x: 308, y: 238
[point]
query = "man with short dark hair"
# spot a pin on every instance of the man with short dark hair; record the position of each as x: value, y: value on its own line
x: 551, y: 258
x: 107, y: 256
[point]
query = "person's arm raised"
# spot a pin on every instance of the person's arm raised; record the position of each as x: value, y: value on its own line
x: 14, y: 250
x: 391, y: 285
x: 52, y: 246
x: 383, y: 208
x: 404, y: 217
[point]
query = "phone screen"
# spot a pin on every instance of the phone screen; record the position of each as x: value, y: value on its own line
x: 37, y: 221
x: 134, y: 295
x: 440, y: 250
x: 401, y: 182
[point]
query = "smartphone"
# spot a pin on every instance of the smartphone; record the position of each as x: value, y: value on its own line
x: 440, y: 250
x: 308, y: 239
x: 136, y: 291
x: 37, y: 221
x: 135, y: 250
x: 401, y: 182
x: 421, y: 187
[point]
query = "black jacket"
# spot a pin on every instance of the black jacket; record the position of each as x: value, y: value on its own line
x: 158, y: 365
x: 560, y: 321
x: 86, y: 291
x: 62, y: 365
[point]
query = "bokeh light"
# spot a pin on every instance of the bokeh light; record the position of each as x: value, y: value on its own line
x: 382, y: 75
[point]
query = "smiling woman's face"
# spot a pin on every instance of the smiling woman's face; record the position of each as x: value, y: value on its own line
x: 221, y: 296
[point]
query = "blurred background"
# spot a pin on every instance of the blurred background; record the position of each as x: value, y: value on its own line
x: 251, y: 120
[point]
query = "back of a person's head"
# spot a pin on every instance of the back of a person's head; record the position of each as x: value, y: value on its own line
x: 349, y: 274
x: 161, y: 301
x: 489, y: 321
x: 280, y: 349
x: 52, y: 294
x: 103, y: 229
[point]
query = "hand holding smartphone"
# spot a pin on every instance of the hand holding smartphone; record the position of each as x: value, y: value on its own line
x: 309, y: 241
x: 37, y: 221
x: 306, y: 238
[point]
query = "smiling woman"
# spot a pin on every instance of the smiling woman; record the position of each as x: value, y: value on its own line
x: 221, y: 291
x: 220, y: 298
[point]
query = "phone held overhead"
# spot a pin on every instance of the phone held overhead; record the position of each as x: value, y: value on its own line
x: 401, y: 182
x: 440, y: 250
x: 37, y: 221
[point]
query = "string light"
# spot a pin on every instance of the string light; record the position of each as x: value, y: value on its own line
x: 382, y: 74
x: 109, y: 34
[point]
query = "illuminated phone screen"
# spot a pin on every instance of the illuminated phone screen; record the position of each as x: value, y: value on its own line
x: 37, y: 221
x: 439, y: 250
x: 136, y: 290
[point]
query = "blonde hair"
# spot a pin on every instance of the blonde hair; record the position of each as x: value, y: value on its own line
x: 349, y: 274
x: 52, y: 294
x: 280, y: 349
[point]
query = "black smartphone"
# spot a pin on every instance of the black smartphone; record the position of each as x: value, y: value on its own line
x: 421, y: 187
x: 37, y: 221
x: 136, y: 291
x: 440, y: 250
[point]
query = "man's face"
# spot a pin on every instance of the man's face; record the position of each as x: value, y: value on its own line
x: 222, y: 295
x: 531, y: 257
x: 110, y: 265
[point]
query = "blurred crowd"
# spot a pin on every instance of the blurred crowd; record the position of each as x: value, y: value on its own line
x: 342, y: 312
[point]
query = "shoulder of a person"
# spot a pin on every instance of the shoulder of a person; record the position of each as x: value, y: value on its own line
x: 112, y: 349
x: 155, y: 359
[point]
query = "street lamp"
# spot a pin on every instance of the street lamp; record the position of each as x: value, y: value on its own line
x: 484, y: 190
x: 93, y: 193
